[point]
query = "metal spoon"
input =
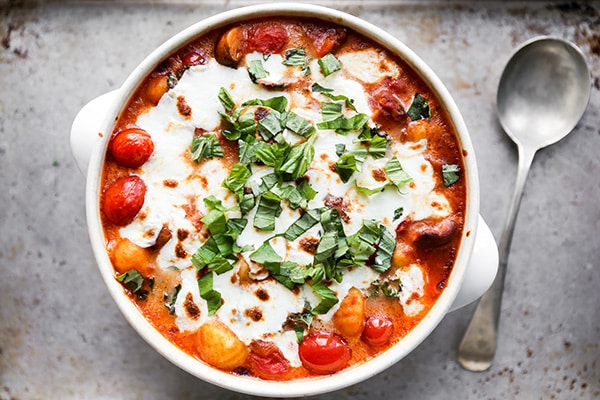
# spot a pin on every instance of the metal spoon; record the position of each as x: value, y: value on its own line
x: 542, y: 94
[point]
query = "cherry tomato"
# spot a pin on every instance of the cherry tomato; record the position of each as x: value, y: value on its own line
x: 124, y: 199
x: 324, y: 352
x: 193, y: 58
x: 268, y: 360
x: 131, y: 147
x: 378, y: 330
x: 267, y: 39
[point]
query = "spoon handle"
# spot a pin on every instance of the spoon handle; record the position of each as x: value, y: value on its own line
x: 478, y: 346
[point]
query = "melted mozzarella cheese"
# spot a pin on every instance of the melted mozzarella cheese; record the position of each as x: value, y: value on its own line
x: 251, y: 316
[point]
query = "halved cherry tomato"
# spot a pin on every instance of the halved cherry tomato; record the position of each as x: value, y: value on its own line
x: 324, y: 352
x: 131, y: 147
x: 268, y: 360
x: 124, y: 199
x: 267, y: 39
x: 378, y: 330
x: 193, y: 58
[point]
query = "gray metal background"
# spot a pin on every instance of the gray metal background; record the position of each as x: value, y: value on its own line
x: 62, y: 337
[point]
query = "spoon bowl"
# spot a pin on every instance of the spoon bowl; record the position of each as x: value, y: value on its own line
x: 543, y: 93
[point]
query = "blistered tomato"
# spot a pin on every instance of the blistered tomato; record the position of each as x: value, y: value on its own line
x: 324, y: 352
x: 378, y: 330
x: 267, y: 39
x: 131, y: 147
x: 268, y: 360
x: 124, y: 199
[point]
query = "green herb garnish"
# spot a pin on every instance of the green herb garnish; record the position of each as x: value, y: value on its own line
x: 329, y: 64
x: 205, y: 146
x: 450, y: 174
x: 256, y: 71
x: 212, y: 297
x: 419, y: 108
x: 132, y: 279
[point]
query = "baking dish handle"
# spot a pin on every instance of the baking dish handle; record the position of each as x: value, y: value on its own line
x: 85, y: 131
x: 481, y: 269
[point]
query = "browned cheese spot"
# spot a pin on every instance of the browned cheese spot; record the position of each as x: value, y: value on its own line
x: 184, y: 108
x: 262, y: 294
x: 192, y: 310
x: 254, y: 313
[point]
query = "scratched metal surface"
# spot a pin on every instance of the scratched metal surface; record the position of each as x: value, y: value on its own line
x: 62, y: 337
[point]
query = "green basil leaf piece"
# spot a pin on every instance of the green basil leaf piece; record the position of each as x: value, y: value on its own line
x: 419, y: 108
x: 329, y: 64
x: 328, y: 298
x: 385, y: 250
x: 395, y: 173
x: 270, y: 126
x: 340, y: 149
x: 256, y: 71
x: 378, y: 146
x: 340, y: 97
x: 331, y: 111
x: 212, y: 297
x: 317, y: 88
x: 298, y: 125
x: 297, y: 58
x: 450, y: 174
x: 278, y: 103
x: 132, y: 279
x: 205, y: 146
x: 265, y: 255
x: 345, y: 166
x: 298, y: 159
x: 398, y: 213
x: 268, y: 209
x: 171, y: 299
x: 226, y: 99
x: 306, y: 221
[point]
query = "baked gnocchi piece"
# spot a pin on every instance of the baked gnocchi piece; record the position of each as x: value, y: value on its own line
x: 127, y: 255
x: 349, y: 319
x: 219, y: 346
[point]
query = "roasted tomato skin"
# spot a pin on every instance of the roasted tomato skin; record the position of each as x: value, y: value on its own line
x: 378, y: 330
x: 268, y: 39
x: 268, y: 360
x: 193, y: 58
x: 323, y: 352
x: 131, y: 148
x: 124, y: 199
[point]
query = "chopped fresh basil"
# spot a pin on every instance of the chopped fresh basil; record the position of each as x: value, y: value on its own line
x: 398, y: 213
x: 298, y: 159
x: 297, y: 58
x: 298, y: 125
x: 270, y: 126
x: 395, y: 173
x: 306, y: 221
x: 349, y: 102
x: 226, y: 99
x: 289, y: 274
x: 331, y: 111
x: 278, y: 103
x: 329, y: 64
x: 450, y: 174
x: 387, y: 288
x: 301, y: 321
x: 256, y: 71
x: 369, y: 192
x: 378, y: 146
x: 385, y: 250
x: 419, y: 108
x: 346, y: 166
x: 205, y: 146
x: 265, y: 255
x: 212, y: 297
x: 247, y: 148
x: 267, y: 182
x: 328, y: 298
x: 268, y: 209
x: 132, y: 279
x: 317, y: 88
x: 362, y: 243
x: 343, y: 125
x: 209, y: 254
x: 171, y: 299
x: 236, y: 181
x: 340, y: 149
x: 297, y: 195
